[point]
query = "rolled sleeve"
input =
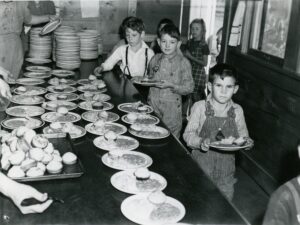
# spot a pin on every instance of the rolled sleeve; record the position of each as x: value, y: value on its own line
x: 194, y: 125
x: 112, y: 60
x: 187, y: 84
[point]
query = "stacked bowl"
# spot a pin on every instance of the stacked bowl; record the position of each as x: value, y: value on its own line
x: 39, y: 46
x: 88, y: 44
x: 67, y: 48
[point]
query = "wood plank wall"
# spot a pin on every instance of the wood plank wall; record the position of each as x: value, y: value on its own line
x: 270, y: 98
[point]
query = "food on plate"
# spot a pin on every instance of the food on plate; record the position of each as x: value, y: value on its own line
x: 92, y: 77
x: 39, y: 141
x: 21, y: 89
x: 34, y: 172
x: 88, y: 95
x: 59, y: 88
x: 240, y: 141
x: 110, y: 136
x: 115, y: 155
x: 164, y: 212
x: 69, y: 158
x: 142, y: 109
x: 99, y: 123
x: 97, y: 105
x: 103, y: 115
x: 15, y: 172
x: 101, y: 85
x: 142, y: 174
x: 55, y: 125
x: 157, y: 197
x: 62, y: 97
x: 132, y: 117
x: 54, y: 167
x: 62, y: 110
x: 136, y: 127
x: 52, y: 105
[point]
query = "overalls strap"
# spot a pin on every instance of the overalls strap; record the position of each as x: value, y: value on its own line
x: 126, y: 61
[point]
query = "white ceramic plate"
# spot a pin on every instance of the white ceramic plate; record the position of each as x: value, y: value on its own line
x: 68, y: 96
x: 38, y: 68
x: 87, y: 105
x: 93, y: 116
x: 138, y: 209
x: 57, y: 117
x: 117, y: 128
x: 40, y: 75
x: 30, y: 81
x: 87, y: 88
x: 66, y: 89
x: 38, y: 61
x: 141, y: 119
x: 129, y: 160
x: 121, y: 143
x: 89, y: 97
x: 62, y: 73
x: 48, y: 130
x: 62, y: 82
x: 130, y: 107
x: 25, y: 110
x: 148, y: 133
x: 27, y: 100
x: 69, y: 105
x: 13, y: 123
x: 228, y: 147
x: 31, y: 91
x: 126, y: 181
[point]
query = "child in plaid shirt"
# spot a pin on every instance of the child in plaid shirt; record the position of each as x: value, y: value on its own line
x: 173, y: 71
x: 197, y: 52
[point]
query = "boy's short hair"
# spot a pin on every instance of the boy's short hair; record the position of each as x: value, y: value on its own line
x: 171, y: 30
x: 135, y: 24
x: 223, y: 70
x: 163, y: 21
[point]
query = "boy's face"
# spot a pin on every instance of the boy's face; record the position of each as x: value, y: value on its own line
x: 223, y: 90
x: 196, y: 30
x: 168, y: 44
x: 133, y: 37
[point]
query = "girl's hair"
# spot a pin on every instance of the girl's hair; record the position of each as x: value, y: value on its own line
x: 202, y: 23
x: 223, y: 70
x: 163, y: 21
x: 171, y: 30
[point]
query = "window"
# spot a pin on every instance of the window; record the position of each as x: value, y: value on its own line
x: 269, y: 29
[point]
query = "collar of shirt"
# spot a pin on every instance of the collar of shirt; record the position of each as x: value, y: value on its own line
x: 228, y: 105
x: 171, y: 59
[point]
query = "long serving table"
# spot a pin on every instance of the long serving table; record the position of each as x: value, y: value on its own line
x: 91, y: 199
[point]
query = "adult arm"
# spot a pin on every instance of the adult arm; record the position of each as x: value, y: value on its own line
x: 17, y: 192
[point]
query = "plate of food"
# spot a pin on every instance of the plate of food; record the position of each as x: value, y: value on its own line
x: 38, y: 61
x: 152, y: 208
x: 138, y: 181
x: 110, y: 141
x: 100, y: 128
x: 140, y: 118
x: 29, y: 90
x: 148, y: 131
x: 106, y: 116
x: 95, y: 105
x: 90, y: 96
x: 62, y: 96
x: 92, y: 88
x: 53, y: 105
x: 27, y: 100
x: 92, y: 80
x: 61, y: 81
x: 145, y: 81
x: 30, y: 81
x: 62, y: 73
x: 52, y: 117
x: 135, y: 107
x: 25, y: 111
x: 126, y: 160
x: 62, y: 88
x: 232, y: 144
x: 40, y: 75
x: 38, y: 68
x: 13, y: 123
x: 75, y: 131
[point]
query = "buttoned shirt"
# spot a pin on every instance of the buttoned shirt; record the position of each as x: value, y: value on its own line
x: 176, y: 70
x: 198, y: 117
x: 136, y: 60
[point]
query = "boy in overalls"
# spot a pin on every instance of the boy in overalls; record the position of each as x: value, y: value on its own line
x: 135, y: 56
x: 215, y: 116
x: 174, y: 73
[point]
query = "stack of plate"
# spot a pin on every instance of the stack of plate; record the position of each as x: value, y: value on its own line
x: 40, y: 46
x: 88, y: 44
x: 67, y: 48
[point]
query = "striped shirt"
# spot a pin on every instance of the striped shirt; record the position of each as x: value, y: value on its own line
x: 198, y: 118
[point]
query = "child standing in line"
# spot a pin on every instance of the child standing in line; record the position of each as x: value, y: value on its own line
x: 217, y: 116
x: 174, y: 73
x: 135, y: 56
x: 197, y: 52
